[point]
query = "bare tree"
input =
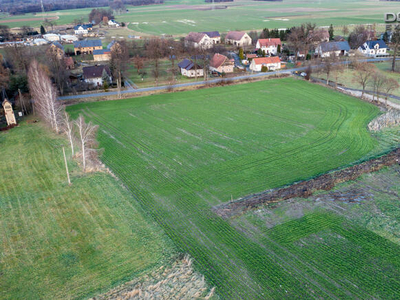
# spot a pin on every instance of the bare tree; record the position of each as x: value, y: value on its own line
x: 87, y: 137
x: 44, y: 95
x: 58, y: 70
x: 395, y: 42
x: 337, y: 70
x: 68, y: 128
x: 345, y: 30
x: 119, y: 62
x: 295, y: 39
x: 358, y: 36
x: 328, y: 65
x: 378, y: 81
x: 155, y: 52
x: 390, y: 85
x: 363, y: 74
x: 138, y: 62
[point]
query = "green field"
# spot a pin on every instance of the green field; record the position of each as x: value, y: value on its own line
x: 182, y: 153
x: 67, y: 242
x: 178, y: 17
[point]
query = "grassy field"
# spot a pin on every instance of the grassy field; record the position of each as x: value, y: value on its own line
x: 67, y: 242
x: 182, y: 153
x: 178, y: 17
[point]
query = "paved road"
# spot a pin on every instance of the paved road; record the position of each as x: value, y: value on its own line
x: 158, y: 88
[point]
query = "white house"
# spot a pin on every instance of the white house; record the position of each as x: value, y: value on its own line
x: 214, y: 36
x: 374, y: 48
x: 51, y: 37
x: 272, y: 63
x: 332, y: 48
x: 94, y: 74
x: 83, y: 29
x: 198, y: 40
x: 269, y: 46
x: 113, y: 23
x: 189, y: 69
x: 238, y: 38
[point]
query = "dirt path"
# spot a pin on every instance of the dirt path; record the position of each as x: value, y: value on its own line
x: 27, y: 19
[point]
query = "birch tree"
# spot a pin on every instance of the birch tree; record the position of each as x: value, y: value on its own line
x: 44, y: 96
x: 68, y: 128
x: 87, y: 139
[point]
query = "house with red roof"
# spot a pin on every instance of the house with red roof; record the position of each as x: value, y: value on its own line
x: 272, y: 63
x: 221, y: 64
x: 269, y: 46
x: 238, y: 38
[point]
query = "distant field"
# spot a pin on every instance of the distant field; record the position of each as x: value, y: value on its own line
x: 181, y: 16
x: 61, y: 242
x: 182, y: 153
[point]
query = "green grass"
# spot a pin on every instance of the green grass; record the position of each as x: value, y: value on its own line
x: 171, y: 18
x: 182, y: 153
x: 67, y: 242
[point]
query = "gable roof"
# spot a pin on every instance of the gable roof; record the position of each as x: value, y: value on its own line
x: 266, y: 60
x: 84, y: 26
x: 195, y: 37
x: 101, y: 52
x: 269, y: 42
x: 381, y: 43
x: 95, y: 71
x: 58, y: 45
x: 235, y: 35
x: 187, y: 64
x: 212, y: 34
x: 88, y: 43
x: 335, y: 46
x: 217, y: 60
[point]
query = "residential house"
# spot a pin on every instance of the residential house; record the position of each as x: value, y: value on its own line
x: 238, y: 38
x: 221, y: 64
x: 83, y: 29
x: 94, y: 74
x: 332, y: 48
x: 190, y: 69
x: 374, y: 48
x: 272, y: 63
x: 113, y: 23
x: 319, y: 35
x: 198, y: 40
x: 269, y: 46
x: 101, y: 55
x: 251, y: 56
x: 214, y: 36
x: 87, y: 46
x: 56, y: 49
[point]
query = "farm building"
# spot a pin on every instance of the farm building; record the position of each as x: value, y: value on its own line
x: 374, y: 48
x: 221, y: 64
x: 190, y: 69
x: 56, y: 49
x: 269, y: 46
x: 214, y: 36
x: 238, y: 38
x: 87, y: 46
x: 332, y: 48
x: 272, y: 63
x: 198, y: 40
x: 94, y: 74
x: 51, y: 37
x: 68, y: 38
x: 40, y: 42
x: 101, y: 55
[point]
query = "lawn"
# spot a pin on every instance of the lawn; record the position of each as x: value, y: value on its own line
x: 67, y: 242
x: 182, y: 153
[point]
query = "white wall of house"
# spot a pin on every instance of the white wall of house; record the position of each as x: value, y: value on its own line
x: 96, y: 81
x: 268, y: 50
x: 257, y: 67
x: 319, y: 52
x: 205, y: 43
x: 192, y: 73
x: 374, y: 51
x: 80, y: 30
x: 216, y: 40
x: 244, y: 41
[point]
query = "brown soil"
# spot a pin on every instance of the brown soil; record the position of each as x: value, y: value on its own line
x: 26, y: 20
x: 305, y: 189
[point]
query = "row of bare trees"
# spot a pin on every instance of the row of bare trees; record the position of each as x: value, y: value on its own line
x: 79, y: 133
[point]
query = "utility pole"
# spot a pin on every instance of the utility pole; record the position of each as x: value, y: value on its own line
x: 41, y: 4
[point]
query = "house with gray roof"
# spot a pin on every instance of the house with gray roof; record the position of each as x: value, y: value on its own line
x: 198, y: 40
x: 87, y: 46
x: 374, y: 48
x: 96, y: 74
x: 214, y: 36
x: 190, y: 69
x: 83, y: 29
x: 332, y: 48
x: 238, y: 38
